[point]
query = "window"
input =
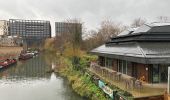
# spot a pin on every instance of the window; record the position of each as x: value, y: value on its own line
x: 109, y: 63
x: 163, y: 73
x: 155, y: 73
x: 123, y: 66
x: 120, y: 66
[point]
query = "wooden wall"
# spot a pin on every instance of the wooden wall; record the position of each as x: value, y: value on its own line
x: 141, y: 71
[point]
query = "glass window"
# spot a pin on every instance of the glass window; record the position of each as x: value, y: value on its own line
x: 155, y: 74
x: 163, y: 73
x: 120, y: 66
x: 109, y: 63
x: 124, y: 67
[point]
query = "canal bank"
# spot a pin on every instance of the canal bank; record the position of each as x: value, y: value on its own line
x: 80, y: 81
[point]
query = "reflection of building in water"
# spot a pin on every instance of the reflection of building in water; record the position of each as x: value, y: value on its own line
x: 33, y: 68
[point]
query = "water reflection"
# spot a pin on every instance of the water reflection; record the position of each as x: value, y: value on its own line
x: 28, y: 80
x: 53, y: 77
x: 33, y: 68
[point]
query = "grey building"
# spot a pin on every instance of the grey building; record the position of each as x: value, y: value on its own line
x: 64, y: 27
x: 33, y: 32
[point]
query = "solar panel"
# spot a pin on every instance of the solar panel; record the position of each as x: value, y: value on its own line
x: 143, y: 28
x: 126, y: 32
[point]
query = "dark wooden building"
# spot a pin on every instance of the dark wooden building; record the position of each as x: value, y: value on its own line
x: 143, y: 52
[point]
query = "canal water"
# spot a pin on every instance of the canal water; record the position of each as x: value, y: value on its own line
x: 29, y: 80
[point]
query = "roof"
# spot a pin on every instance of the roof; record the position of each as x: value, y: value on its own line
x: 147, y: 28
x: 148, y: 32
x: 147, y: 53
x: 127, y: 32
x: 153, y: 27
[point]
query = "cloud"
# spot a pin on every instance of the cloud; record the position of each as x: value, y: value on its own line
x: 92, y: 12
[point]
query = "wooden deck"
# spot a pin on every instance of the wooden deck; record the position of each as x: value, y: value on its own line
x: 135, y: 87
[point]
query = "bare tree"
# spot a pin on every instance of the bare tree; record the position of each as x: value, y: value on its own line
x: 71, y: 34
x: 74, y: 27
x: 163, y: 19
x: 138, y: 22
x: 107, y: 29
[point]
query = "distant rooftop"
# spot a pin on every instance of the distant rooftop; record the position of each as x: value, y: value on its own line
x: 24, y: 20
x: 151, y: 27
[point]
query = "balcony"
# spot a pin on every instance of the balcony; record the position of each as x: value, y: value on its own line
x: 136, y: 87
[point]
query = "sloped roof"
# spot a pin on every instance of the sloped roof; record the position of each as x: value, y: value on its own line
x: 148, y: 53
x: 127, y: 32
x: 128, y: 50
x: 153, y: 27
x: 147, y: 32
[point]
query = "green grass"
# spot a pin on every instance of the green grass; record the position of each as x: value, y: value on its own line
x: 81, y: 83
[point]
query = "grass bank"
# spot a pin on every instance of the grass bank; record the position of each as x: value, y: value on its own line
x: 80, y: 81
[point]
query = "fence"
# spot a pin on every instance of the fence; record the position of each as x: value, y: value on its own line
x: 112, y: 75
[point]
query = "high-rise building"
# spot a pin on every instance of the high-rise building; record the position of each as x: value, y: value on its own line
x: 3, y: 27
x: 33, y: 32
x: 64, y: 27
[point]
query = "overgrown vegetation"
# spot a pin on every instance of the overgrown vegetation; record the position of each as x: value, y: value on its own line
x: 49, y: 45
x: 81, y: 81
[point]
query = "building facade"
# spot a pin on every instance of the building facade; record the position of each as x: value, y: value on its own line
x: 143, y: 54
x: 64, y: 28
x: 3, y: 27
x: 33, y: 32
x: 8, y: 41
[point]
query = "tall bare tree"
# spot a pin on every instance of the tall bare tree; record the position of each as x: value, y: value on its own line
x: 163, y: 19
x: 75, y: 39
x: 107, y: 29
x: 75, y: 32
x: 72, y: 35
x: 138, y: 22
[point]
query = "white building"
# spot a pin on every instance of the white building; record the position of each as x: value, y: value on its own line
x: 10, y: 41
x: 3, y: 27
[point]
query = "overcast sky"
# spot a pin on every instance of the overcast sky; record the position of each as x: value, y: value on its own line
x: 91, y: 12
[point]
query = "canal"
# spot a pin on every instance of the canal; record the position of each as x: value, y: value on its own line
x: 29, y: 80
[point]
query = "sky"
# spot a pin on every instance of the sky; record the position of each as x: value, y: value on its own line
x: 90, y: 12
